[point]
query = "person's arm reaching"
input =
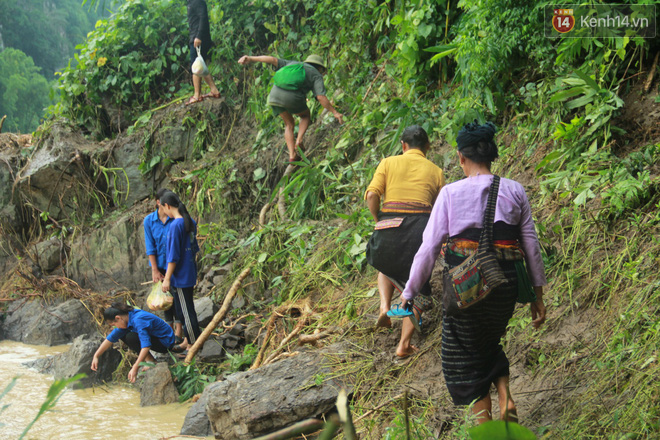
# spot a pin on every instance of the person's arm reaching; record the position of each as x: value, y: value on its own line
x: 105, y: 345
x: 267, y: 59
x: 132, y: 375
x: 325, y: 102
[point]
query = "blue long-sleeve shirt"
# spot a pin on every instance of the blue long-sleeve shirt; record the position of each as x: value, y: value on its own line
x: 155, y: 238
x: 147, y: 326
x: 181, y: 249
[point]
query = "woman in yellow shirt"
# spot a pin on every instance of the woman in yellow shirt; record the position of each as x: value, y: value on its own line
x: 408, y: 185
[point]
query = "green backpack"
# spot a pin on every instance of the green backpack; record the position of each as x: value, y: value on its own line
x: 290, y: 77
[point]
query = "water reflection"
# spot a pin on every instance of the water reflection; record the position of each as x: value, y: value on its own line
x: 94, y: 413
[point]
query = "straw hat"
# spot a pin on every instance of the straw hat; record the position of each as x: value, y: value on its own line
x: 315, y: 59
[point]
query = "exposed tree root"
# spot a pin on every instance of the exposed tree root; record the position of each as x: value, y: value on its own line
x: 199, y: 343
x: 306, y: 312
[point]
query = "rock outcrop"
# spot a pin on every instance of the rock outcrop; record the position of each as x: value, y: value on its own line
x: 197, y: 422
x: 39, y: 323
x: 158, y: 387
x: 78, y: 360
x: 58, y: 178
x: 253, y: 403
x: 112, y: 257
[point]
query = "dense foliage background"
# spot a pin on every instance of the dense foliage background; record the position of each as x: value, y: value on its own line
x: 574, y: 128
x: 37, y: 38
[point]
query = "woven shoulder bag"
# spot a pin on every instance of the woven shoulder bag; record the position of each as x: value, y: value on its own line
x: 473, y: 279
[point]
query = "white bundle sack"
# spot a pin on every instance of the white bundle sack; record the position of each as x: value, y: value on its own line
x: 199, y: 66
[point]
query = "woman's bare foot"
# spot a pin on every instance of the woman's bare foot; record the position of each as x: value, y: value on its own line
x: 406, y: 352
x: 384, y: 321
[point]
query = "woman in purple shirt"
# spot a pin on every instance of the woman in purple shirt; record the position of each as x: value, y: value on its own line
x: 472, y: 357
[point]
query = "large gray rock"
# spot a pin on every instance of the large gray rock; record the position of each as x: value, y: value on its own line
x: 79, y: 360
x: 48, y: 254
x: 35, y: 322
x: 158, y: 387
x: 11, y: 162
x: 58, y: 178
x: 206, y: 309
x: 141, y: 186
x: 253, y: 403
x: 197, y: 422
x: 111, y: 257
x: 212, y: 351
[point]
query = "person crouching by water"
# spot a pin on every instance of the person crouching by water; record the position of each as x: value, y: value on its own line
x: 141, y: 331
x: 472, y: 356
x: 181, y: 274
x: 408, y: 184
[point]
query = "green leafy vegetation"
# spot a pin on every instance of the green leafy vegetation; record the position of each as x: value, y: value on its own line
x: 23, y: 92
x: 36, y: 40
x: 591, y: 174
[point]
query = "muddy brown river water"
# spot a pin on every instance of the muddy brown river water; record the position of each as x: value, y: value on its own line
x: 110, y: 412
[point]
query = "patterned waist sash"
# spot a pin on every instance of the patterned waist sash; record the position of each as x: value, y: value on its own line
x: 406, y: 208
x: 505, y: 250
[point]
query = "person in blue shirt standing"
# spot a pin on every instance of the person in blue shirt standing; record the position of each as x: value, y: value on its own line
x: 181, y: 274
x: 141, y: 331
x: 156, y: 226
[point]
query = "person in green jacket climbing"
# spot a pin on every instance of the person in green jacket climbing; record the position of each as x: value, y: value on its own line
x: 290, y: 96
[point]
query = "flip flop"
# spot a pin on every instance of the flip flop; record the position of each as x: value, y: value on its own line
x: 399, y: 312
x: 212, y: 95
x: 194, y: 100
x: 396, y: 311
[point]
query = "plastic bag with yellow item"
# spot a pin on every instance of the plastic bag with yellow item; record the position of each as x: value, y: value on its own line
x: 159, y: 300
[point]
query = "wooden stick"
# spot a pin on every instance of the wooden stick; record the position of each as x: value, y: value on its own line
x: 218, y: 316
x: 262, y: 214
x: 371, y: 411
x: 647, y: 86
x: 313, y: 339
x: 372, y: 82
x: 306, y: 426
x: 147, y: 282
x: 281, y: 203
x: 262, y: 350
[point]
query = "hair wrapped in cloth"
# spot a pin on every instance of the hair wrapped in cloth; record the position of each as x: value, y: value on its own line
x: 473, y: 133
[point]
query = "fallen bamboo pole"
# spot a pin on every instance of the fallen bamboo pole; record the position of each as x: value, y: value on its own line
x: 218, y: 316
